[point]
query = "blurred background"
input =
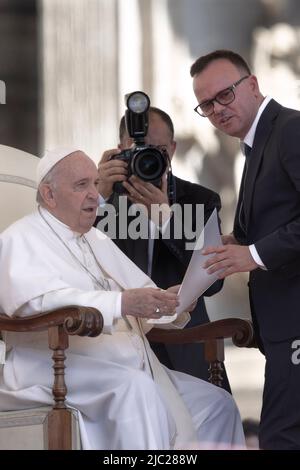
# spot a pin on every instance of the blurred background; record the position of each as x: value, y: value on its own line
x: 67, y: 64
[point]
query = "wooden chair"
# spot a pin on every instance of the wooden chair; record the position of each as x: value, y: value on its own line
x: 57, y: 425
x: 17, y: 184
x: 212, y: 335
x: 59, y: 429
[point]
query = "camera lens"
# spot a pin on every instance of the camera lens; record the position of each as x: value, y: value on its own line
x: 149, y: 164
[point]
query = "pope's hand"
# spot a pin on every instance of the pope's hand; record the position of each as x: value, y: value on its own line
x: 149, y: 302
x: 175, y: 289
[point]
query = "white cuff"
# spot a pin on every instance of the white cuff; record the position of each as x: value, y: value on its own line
x: 118, y: 308
x: 256, y: 257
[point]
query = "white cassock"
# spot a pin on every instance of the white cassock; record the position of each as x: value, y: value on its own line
x: 126, y: 398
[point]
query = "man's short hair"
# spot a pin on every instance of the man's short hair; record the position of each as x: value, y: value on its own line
x: 48, y: 179
x: 163, y: 115
x: 202, y: 62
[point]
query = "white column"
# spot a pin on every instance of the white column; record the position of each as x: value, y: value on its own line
x: 130, y: 49
x: 80, y: 74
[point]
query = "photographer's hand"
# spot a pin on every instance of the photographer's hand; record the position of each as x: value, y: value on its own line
x: 154, y: 200
x: 141, y: 192
x: 110, y: 171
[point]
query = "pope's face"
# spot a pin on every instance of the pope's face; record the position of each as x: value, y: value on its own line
x: 75, y: 192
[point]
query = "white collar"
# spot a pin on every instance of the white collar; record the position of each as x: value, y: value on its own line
x: 63, y: 230
x: 249, y: 137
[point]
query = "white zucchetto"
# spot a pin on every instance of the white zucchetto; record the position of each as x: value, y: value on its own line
x: 50, y: 159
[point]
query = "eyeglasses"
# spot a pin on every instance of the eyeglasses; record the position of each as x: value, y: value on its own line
x: 224, y: 97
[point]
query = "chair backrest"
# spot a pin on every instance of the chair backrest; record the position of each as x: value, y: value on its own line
x: 17, y: 184
x: 17, y: 198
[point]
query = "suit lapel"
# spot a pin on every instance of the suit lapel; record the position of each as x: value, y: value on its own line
x: 263, y: 131
x: 135, y: 249
x: 238, y: 228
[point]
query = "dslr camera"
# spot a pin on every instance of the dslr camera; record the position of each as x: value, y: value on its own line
x: 148, y: 162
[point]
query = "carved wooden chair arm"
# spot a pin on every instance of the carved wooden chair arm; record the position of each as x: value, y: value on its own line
x: 241, y: 332
x: 75, y: 320
x: 212, y: 335
x: 60, y: 323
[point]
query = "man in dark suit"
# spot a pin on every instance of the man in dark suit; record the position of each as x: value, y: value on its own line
x: 266, y: 236
x: 164, y: 259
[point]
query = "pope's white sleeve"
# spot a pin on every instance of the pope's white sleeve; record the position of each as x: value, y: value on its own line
x: 108, y: 303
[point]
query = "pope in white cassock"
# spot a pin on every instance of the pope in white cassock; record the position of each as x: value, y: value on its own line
x: 125, y: 397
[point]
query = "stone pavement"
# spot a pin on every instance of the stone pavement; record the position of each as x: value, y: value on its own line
x: 245, y: 370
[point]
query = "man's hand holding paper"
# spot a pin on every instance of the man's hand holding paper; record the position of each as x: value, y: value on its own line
x: 228, y: 259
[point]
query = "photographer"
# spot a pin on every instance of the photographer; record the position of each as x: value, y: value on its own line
x: 165, y: 260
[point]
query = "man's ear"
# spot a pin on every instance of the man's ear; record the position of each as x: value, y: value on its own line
x: 254, y: 85
x: 173, y: 148
x: 46, y: 192
x: 125, y: 143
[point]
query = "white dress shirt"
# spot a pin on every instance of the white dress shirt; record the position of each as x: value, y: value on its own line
x: 248, y: 140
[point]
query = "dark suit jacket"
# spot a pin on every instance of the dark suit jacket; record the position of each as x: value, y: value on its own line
x: 271, y: 199
x: 170, y: 260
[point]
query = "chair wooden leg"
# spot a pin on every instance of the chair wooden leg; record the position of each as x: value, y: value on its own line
x: 214, y: 355
x: 60, y: 418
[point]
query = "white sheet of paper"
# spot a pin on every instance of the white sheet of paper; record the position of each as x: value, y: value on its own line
x: 196, y: 280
